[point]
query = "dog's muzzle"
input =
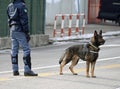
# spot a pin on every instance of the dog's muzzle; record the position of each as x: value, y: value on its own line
x: 102, y: 42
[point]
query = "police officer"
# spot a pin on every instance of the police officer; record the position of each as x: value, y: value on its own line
x: 19, y: 33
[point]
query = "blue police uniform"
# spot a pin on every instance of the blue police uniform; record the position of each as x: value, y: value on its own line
x: 18, y: 23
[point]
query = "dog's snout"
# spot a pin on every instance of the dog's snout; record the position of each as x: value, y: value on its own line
x: 103, y: 41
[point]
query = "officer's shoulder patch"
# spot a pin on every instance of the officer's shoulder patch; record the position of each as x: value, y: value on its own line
x: 23, y: 3
x: 25, y: 10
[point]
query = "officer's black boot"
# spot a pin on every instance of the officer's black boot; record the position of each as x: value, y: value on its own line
x: 28, y: 71
x: 14, y: 60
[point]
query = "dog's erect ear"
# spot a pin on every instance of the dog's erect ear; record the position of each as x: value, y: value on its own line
x: 100, y: 32
x: 95, y: 33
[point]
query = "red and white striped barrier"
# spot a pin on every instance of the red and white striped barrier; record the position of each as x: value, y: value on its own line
x: 70, y: 30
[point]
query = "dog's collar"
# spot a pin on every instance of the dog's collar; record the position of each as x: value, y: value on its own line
x: 93, y: 46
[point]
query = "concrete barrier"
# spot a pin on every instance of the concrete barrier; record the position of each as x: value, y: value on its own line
x: 5, y: 43
x: 36, y: 41
x: 39, y: 40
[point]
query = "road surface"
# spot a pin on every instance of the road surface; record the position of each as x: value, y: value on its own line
x: 45, y: 62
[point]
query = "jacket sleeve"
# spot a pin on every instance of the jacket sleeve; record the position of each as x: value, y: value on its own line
x: 24, y: 18
x: 12, y: 13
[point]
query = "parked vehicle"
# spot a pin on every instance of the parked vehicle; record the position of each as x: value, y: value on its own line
x: 109, y: 10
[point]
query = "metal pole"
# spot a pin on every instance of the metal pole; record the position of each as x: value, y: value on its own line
x: 78, y: 6
x: 78, y: 1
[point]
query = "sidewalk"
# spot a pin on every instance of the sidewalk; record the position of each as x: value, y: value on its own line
x: 107, y: 28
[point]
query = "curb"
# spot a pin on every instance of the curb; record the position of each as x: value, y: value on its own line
x: 82, y: 37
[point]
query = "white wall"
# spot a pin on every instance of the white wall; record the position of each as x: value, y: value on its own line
x: 54, y: 7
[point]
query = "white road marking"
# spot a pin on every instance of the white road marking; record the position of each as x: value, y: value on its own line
x: 111, y: 45
x: 54, y: 66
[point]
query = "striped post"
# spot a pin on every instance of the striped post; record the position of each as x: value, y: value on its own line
x: 62, y: 26
x: 83, y: 26
x: 70, y: 25
x: 77, y: 23
x: 54, y: 32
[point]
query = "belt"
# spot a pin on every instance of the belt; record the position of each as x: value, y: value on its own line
x: 14, y: 24
x: 13, y: 27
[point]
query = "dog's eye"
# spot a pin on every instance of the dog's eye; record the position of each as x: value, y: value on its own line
x: 100, y: 37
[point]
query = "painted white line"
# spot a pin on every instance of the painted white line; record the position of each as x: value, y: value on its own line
x: 105, y: 59
x: 111, y: 45
x: 54, y: 66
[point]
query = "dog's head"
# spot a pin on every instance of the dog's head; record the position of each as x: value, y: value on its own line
x: 97, y: 39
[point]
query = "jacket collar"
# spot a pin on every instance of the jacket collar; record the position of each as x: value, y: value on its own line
x: 17, y: 1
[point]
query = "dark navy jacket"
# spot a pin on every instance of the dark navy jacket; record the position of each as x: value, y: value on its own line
x: 17, y: 15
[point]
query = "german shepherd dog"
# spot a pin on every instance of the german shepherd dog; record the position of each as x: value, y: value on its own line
x: 88, y: 52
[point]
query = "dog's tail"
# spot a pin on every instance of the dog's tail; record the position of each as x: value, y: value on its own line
x: 62, y: 57
x: 67, y: 56
x: 60, y: 61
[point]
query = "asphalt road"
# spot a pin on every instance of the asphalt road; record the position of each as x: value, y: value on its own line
x: 45, y: 62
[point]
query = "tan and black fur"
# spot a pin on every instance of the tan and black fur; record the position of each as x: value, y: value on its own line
x: 88, y: 52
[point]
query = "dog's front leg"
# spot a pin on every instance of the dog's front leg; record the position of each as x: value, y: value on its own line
x: 87, y: 68
x: 92, y: 69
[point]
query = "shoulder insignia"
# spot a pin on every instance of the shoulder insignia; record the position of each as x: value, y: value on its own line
x: 25, y: 10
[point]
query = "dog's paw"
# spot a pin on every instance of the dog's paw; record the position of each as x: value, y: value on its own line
x: 88, y: 76
x: 61, y: 73
x: 75, y: 74
x: 93, y: 76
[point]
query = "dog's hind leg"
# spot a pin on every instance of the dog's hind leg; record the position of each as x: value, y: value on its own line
x: 61, y: 66
x: 75, y: 60
x: 92, y: 69
x: 87, y: 68
x: 62, y: 63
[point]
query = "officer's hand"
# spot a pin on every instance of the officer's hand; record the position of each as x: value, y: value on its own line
x: 28, y: 37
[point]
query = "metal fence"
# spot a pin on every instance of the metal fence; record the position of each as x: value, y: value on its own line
x: 36, y: 13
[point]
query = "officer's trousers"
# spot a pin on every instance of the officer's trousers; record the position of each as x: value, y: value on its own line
x: 19, y: 38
